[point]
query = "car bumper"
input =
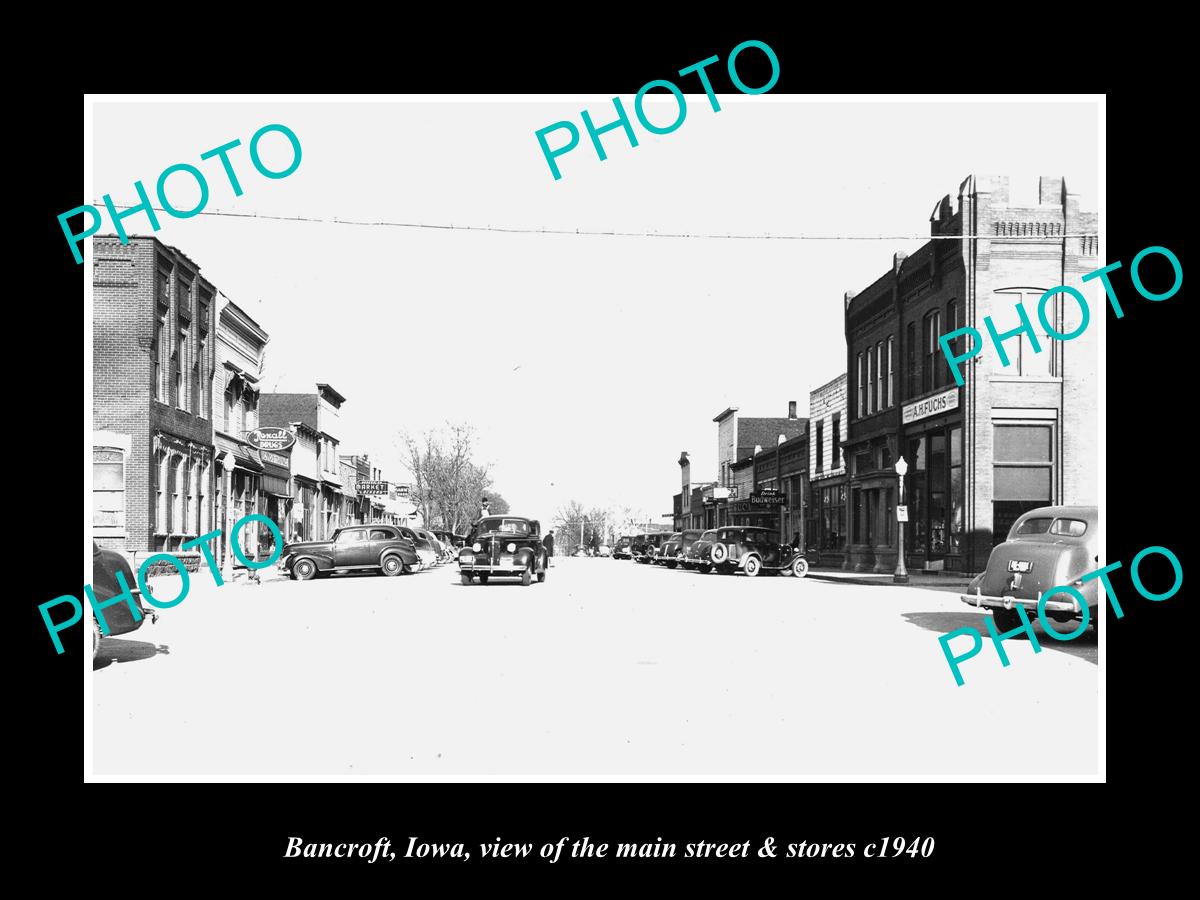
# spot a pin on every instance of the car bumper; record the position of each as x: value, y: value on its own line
x: 1058, y: 604
x: 489, y: 569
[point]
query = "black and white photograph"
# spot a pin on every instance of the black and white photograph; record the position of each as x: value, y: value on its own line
x: 702, y: 434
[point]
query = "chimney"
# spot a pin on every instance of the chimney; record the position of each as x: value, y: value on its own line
x: 1050, y: 190
x: 791, y: 409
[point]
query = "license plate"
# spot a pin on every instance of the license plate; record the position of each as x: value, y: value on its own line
x: 506, y: 560
x: 1019, y: 565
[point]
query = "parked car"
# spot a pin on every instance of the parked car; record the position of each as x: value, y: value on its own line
x: 438, y: 548
x: 424, y: 548
x: 604, y: 550
x: 654, y: 544
x: 674, y: 549
x: 754, y: 550
x: 696, y: 555
x: 119, y: 617
x: 504, y: 546
x: 1048, y: 547
x: 623, y: 548
x: 384, y: 548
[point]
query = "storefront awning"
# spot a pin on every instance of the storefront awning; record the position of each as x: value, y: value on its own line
x: 276, y: 486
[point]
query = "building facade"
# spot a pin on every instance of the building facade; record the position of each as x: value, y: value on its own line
x: 1012, y: 437
x: 154, y: 322
x: 240, y: 473
x: 317, y: 488
x: 737, y: 438
x: 827, y: 428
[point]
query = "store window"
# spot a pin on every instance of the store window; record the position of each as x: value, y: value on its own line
x: 1023, y: 472
x: 915, y: 493
x: 956, y: 490
x: 108, y: 488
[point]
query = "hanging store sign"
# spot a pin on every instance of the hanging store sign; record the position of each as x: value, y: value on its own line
x: 930, y: 406
x: 270, y: 438
x: 371, y: 487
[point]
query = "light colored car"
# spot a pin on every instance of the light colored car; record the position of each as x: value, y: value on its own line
x: 1052, y: 546
x: 604, y: 550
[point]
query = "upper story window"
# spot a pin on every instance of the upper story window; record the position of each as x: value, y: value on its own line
x: 836, y: 459
x: 932, y: 330
x: 891, y: 373
x: 861, y: 378
x: 880, y: 384
x: 1022, y: 360
x: 912, y: 368
x: 820, y: 446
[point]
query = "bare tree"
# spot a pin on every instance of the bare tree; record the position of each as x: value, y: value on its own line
x: 448, y: 485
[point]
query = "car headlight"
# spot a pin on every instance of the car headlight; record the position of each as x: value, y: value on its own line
x: 476, y: 546
x: 511, y: 548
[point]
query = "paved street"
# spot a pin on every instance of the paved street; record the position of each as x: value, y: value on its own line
x: 607, y: 668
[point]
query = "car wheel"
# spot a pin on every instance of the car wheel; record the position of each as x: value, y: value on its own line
x: 526, y: 578
x: 483, y: 579
x: 95, y: 637
x: 392, y: 565
x: 304, y: 569
x: 704, y: 569
x: 466, y: 579
x: 753, y: 566
x: 719, y: 552
x: 1006, y: 619
x: 800, y: 567
x: 672, y: 564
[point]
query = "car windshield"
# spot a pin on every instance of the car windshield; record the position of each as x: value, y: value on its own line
x: 505, y: 526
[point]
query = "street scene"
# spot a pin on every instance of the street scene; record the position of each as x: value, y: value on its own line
x: 607, y: 666
x: 598, y: 477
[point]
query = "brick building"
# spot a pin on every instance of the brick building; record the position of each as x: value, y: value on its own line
x: 1013, y: 437
x: 688, y: 504
x: 318, y: 506
x: 154, y: 321
x: 827, y: 424
x: 737, y: 438
x: 241, y: 471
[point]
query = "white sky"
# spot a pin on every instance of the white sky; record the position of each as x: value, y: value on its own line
x: 586, y: 363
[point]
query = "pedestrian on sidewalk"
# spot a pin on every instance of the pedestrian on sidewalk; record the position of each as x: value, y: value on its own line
x: 548, y: 543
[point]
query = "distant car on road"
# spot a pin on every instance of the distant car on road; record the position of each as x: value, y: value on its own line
x: 503, y: 546
x: 752, y: 550
x: 624, y: 548
x: 384, y: 548
x: 604, y: 550
x: 118, y: 617
x: 675, y: 548
x: 1052, y: 546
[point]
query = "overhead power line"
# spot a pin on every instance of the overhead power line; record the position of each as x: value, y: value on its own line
x: 508, y: 229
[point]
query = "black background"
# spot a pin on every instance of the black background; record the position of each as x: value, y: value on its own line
x: 151, y: 835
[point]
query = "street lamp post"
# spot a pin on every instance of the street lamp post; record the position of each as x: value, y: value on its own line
x: 901, y: 576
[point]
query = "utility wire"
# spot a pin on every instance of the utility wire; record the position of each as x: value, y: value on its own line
x: 652, y: 234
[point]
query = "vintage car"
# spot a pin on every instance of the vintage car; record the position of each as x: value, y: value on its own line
x: 354, y: 548
x: 673, y: 550
x: 695, y: 556
x: 425, y: 552
x: 439, y: 549
x: 623, y: 548
x: 753, y: 550
x: 647, y: 549
x: 1048, y: 547
x: 503, y: 546
x: 118, y: 618
x: 604, y: 550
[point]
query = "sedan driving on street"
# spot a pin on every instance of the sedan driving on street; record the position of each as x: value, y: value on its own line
x: 503, y: 546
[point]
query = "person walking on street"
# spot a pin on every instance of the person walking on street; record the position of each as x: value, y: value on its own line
x: 548, y: 543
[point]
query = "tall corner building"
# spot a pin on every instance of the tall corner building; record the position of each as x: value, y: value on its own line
x: 1013, y: 437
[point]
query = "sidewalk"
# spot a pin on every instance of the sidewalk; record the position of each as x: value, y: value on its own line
x: 932, y: 580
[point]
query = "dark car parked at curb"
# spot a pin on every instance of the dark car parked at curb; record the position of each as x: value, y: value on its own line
x: 1048, y: 547
x: 503, y: 546
x: 696, y: 556
x: 119, y: 617
x: 646, y: 548
x: 753, y: 551
x: 623, y: 548
x: 354, y: 548
x: 676, y: 547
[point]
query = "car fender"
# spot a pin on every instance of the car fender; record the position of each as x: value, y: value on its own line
x: 786, y: 559
x: 407, y: 556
